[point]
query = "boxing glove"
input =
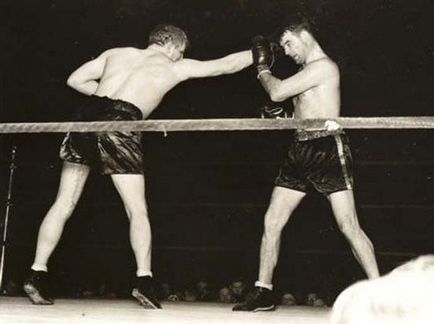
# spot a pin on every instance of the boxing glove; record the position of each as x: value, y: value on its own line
x: 272, y: 110
x: 262, y: 54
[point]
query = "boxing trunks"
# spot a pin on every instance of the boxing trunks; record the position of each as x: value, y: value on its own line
x: 317, y: 161
x: 107, y: 152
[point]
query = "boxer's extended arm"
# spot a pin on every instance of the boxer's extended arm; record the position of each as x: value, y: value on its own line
x: 84, y: 79
x: 311, y: 76
x: 188, y: 68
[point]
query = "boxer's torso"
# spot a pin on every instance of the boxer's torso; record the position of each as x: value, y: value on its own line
x: 322, y: 101
x: 141, y: 77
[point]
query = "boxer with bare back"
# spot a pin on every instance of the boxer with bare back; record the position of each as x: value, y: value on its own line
x: 122, y: 84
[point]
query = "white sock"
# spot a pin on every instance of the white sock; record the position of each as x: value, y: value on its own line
x: 39, y: 267
x: 143, y: 273
x: 263, y: 285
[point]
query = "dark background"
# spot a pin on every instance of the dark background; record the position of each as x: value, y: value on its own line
x: 208, y: 191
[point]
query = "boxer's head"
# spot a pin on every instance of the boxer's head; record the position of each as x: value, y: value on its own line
x: 171, y: 38
x: 405, y: 295
x: 296, y: 38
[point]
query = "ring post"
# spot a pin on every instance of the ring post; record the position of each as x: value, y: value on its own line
x: 12, y: 167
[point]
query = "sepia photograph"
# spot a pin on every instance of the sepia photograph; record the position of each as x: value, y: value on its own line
x: 217, y: 161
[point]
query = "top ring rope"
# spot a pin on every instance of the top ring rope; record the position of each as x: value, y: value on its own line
x: 226, y: 124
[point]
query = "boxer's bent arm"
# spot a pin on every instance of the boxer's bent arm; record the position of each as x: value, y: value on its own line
x: 311, y: 76
x: 84, y: 78
x: 188, y: 69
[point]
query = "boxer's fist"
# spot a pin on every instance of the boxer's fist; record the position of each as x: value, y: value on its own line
x: 262, y: 53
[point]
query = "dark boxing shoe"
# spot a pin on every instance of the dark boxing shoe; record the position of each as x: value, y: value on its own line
x: 35, y: 286
x: 260, y: 299
x: 144, y: 293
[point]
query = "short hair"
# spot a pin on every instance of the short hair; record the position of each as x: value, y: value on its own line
x: 398, y: 297
x: 294, y: 23
x: 164, y: 34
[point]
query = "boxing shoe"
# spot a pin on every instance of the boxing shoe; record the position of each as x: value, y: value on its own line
x: 144, y: 293
x: 260, y: 299
x: 36, y: 287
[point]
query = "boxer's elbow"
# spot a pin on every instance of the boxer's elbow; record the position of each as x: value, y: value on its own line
x: 276, y: 94
x: 276, y: 97
x: 83, y: 86
x: 72, y: 82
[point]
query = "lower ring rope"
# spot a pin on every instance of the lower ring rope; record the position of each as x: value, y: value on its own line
x: 226, y: 124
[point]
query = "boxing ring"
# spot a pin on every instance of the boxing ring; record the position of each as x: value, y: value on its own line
x: 227, y: 124
x: 20, y: 310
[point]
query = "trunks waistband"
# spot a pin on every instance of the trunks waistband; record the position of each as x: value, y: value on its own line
x: 307, y: 135
x: 122, y: 105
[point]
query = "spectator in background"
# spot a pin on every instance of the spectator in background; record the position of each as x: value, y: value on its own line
x: 105, y: 290
x: 164, y: 292
x: 189, y: 295
x: 11, y: 288
x: 175, y: 296
x: 238, y: 289
x: 203, y: 291
x: 314, y: 300
x: 319, y: 303
x: 86, y: 293
x: 288, y: 299
x: 225, y: 296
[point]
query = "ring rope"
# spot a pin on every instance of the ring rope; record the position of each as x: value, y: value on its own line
x: 226, y: 124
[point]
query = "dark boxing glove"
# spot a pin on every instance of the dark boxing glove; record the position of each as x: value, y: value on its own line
x: 272, y: 110
x: 262, y: 54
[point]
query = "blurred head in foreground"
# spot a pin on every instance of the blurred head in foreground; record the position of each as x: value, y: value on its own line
x: 405, y: 295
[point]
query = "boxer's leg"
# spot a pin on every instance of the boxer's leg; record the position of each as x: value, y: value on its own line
x: 344, y: 210
x: 72, y: 180
x: 283, y: 203
x: 131, y: 188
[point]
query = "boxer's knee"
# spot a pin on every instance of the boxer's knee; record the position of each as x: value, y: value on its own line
x: 350, y: 227
x: 138, y: 211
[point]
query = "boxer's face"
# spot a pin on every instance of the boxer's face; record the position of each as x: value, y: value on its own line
x: 294, y: 46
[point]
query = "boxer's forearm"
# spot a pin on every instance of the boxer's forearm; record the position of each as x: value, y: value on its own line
x: 271, y: 84
x: 232, y: 63
x: 237, y: 61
